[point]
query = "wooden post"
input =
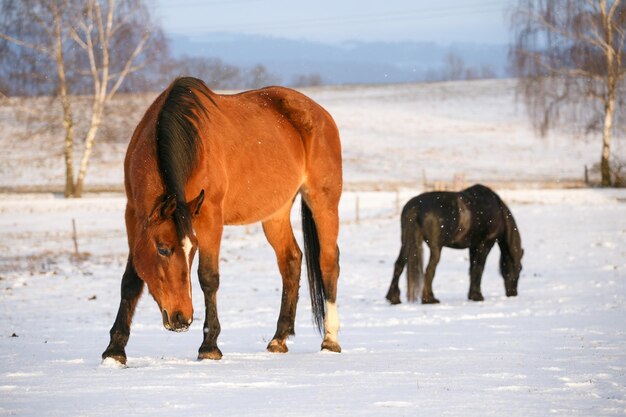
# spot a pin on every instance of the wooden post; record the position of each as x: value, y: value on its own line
x: 75, y: 237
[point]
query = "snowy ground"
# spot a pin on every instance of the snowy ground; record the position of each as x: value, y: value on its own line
x: 559, y: 348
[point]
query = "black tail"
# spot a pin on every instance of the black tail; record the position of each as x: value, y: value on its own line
x: 314, y: 271
x: 412, y: 239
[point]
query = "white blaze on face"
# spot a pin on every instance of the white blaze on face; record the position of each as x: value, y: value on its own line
x: 187, y: 246
x: 331, y: 321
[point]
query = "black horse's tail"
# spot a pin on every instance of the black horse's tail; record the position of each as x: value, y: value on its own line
x: 411, y: 253
x: 412, y: 239
x: 312, y: 255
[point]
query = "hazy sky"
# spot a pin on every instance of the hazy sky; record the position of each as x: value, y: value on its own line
x: 480, y: 21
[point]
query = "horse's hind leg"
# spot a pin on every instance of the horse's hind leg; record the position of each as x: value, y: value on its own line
x: 406, y: 251
x: 324, y: 206
x: 132, y: 287
x: 478, y: 257
x: 280, y: 235
x: 393, y: 295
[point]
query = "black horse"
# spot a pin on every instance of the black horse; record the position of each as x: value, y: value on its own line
x: 474, y: 218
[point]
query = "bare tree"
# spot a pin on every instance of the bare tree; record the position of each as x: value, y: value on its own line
x: 259, y: 76
x: 98, y: 40
x: 307, y: 80
x: 569, y: 57
x: 213, y: 71
x: 454, y: 67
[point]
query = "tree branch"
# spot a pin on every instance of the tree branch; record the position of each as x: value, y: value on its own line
x: 38, y: 48
x: 128, y: 65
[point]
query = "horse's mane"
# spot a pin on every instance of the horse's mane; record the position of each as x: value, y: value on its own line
x: 177, y: 142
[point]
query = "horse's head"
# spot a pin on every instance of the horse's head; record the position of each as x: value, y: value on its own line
x: 510, y: 267
x: 162, y: 255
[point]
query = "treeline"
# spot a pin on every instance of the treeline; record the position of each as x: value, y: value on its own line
x: 29, y: 61
x: 21, y: 75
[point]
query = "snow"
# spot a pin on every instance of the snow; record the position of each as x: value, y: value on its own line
x: 559, y: 348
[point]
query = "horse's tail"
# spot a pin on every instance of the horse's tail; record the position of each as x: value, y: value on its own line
x: 415, y: 253
x: 312, y: 255
x: 411, y: 253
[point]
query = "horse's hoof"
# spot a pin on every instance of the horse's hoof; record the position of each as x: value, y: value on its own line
x: 476, y: 297
x: 214, y: 354
x: 117, y: 356
x: 393, y: 299
x: 432, y: 300
x: 277, y: 346
x: 331, y: 346
x: 114, y: 360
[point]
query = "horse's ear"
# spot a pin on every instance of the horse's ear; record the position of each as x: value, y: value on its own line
x: 165, y: 209
x: 169, y: 207
x: 196, y: 204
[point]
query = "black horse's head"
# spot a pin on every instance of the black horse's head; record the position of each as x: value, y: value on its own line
x: 511, y: 253
x: 510, y: 268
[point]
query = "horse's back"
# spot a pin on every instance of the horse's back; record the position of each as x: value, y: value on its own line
x: 271, y: 142
x: 436, y: 213
x: 487, y: 209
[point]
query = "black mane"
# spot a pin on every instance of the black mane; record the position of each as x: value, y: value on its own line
x: 178, y: 144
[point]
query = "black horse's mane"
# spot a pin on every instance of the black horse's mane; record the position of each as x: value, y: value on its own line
x: 178, y: 144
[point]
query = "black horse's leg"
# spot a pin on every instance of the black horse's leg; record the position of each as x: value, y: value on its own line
x: 393, y: 295
x: 478, y: 257
x: 280, y: 235
x: 209, y: 278
x: 131, y: 289
x: 427, y: 293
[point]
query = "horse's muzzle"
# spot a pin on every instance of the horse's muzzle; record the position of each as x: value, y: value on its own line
x: 176, y: 323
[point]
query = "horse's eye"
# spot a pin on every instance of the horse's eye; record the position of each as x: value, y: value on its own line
x: 164, y: 250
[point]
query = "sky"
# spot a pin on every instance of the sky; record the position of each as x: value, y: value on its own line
x: 335, y: 21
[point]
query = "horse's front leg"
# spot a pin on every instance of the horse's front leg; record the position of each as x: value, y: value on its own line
x: 478, y: 257
x: 209, y: 237
x: 132, y: 287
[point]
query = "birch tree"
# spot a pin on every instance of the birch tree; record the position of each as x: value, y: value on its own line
x: 570, y: 62
x: 98, y: 40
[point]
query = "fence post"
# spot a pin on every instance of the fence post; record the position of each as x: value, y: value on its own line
x: 75, y: 237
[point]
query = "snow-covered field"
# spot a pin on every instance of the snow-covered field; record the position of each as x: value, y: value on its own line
x: 559, y: 348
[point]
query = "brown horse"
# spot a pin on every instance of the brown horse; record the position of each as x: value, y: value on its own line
x: 242, y: 158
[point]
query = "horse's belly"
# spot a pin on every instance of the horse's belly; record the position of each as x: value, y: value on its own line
x: 258, y: 205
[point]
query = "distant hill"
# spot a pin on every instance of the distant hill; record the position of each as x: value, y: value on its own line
x: 348, y: 62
